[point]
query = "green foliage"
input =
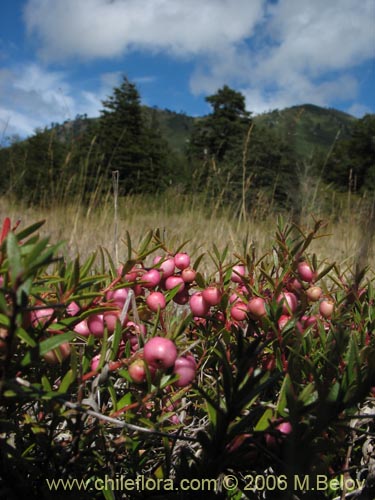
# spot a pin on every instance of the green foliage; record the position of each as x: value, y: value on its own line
x: 267, y: 399
x: 224, y: 130
x: 274, y: 160
x: 310, y: 130
x: 352, y: 163
x: 233, y: 157
x: 32, y: 167
x: 129, y: 144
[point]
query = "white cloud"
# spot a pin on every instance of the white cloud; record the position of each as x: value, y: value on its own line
x: 32, y: 97
x: 318, y: 35
x: 300, y: 91
x: 102, y: 28
x: 359, y: 110
x: 303, y: 51
x: 278, y: 54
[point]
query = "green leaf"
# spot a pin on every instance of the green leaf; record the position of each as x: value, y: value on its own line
x: 87, y: 265
x: 268, y: 277
x: 67, y: 381
x: 200, y: 280
x: 216, y: 252
x: 24, y: 335
x: 180, y: 247
x: 282, y: 399
x: 264, y: 421
x: 198, y: 261
x: 129, y: 245
x: 33, y: 253
x: 14, y: 256
x: 74, y: 276
x: 24, y: 233
x: 124, y: 401
x: 112, y: 393
x: 224, y: 254
x: 110, y: 261
x: 334, y: 393
x: 212, y: 413
x: 325, y: 271
x: 46, y: 384
x: 145, y: 243
x: 48, y: 345
x: 3, y: 303
x: 117, y: 337
x: 308, y: 395
x: 108, y: 495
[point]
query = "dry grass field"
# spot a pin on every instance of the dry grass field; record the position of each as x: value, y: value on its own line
x: 181, y: 219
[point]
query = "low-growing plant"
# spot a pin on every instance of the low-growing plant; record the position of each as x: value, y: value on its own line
x: 263, y: 368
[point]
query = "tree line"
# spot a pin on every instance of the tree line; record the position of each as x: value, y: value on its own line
x: 227, y: 156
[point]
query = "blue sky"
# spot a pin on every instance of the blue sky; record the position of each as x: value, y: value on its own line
x: 60, y: 58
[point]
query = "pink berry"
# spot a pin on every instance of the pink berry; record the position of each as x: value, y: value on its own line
x: 326, y: 308
x: 132, y: 275
x: 173, y: 281
x: 167, y: 265
x: 309, y: 321
x: 82, y: 328
x: 233, y: 298
x: 289, y: 301
x: 40, y: 316
x: 238, y: 272
x: 239, y: 311
x: 256, y: 307
x: 110, y: 319
x: 305, y: 272
x: 135, y: 329
x: 198, y: 305
x: 73, y: 309
x: 95, y: 362
x: 160, y: 352
x: 182, y: 260
x: 156, y: 300
x: 151, y: 278
x: 188, y: 274
x: 295, y: 286
x: 138, y: 290
x: 212, y: 295
x: 57, y: 355
x: 284, y: 428
x: 137, y: 371
x: 117, y: 297
x: 95, y: 322
x: 314, y: 293
x: 282, y: 321
x: 185, y: 368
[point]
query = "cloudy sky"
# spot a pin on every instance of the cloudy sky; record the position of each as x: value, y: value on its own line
x: 60, y: 58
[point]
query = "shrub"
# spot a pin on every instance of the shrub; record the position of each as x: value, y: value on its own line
x: 257, y: 402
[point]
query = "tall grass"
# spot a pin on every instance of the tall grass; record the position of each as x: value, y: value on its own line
x: 88, y: 218
x: 192, y: 219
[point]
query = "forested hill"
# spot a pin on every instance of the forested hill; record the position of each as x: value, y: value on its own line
x: 222, y: 154
x: 309, y: 129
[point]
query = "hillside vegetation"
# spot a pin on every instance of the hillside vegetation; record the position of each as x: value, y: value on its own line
x: 310, y: 129
x: 229, y: 156
x: 188, y: 301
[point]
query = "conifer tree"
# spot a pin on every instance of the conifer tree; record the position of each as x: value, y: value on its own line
x: 128, y: 145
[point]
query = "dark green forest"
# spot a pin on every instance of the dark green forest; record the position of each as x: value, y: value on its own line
x: 230, y: 155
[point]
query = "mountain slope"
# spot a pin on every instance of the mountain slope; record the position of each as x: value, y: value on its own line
x: 308, y: 128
